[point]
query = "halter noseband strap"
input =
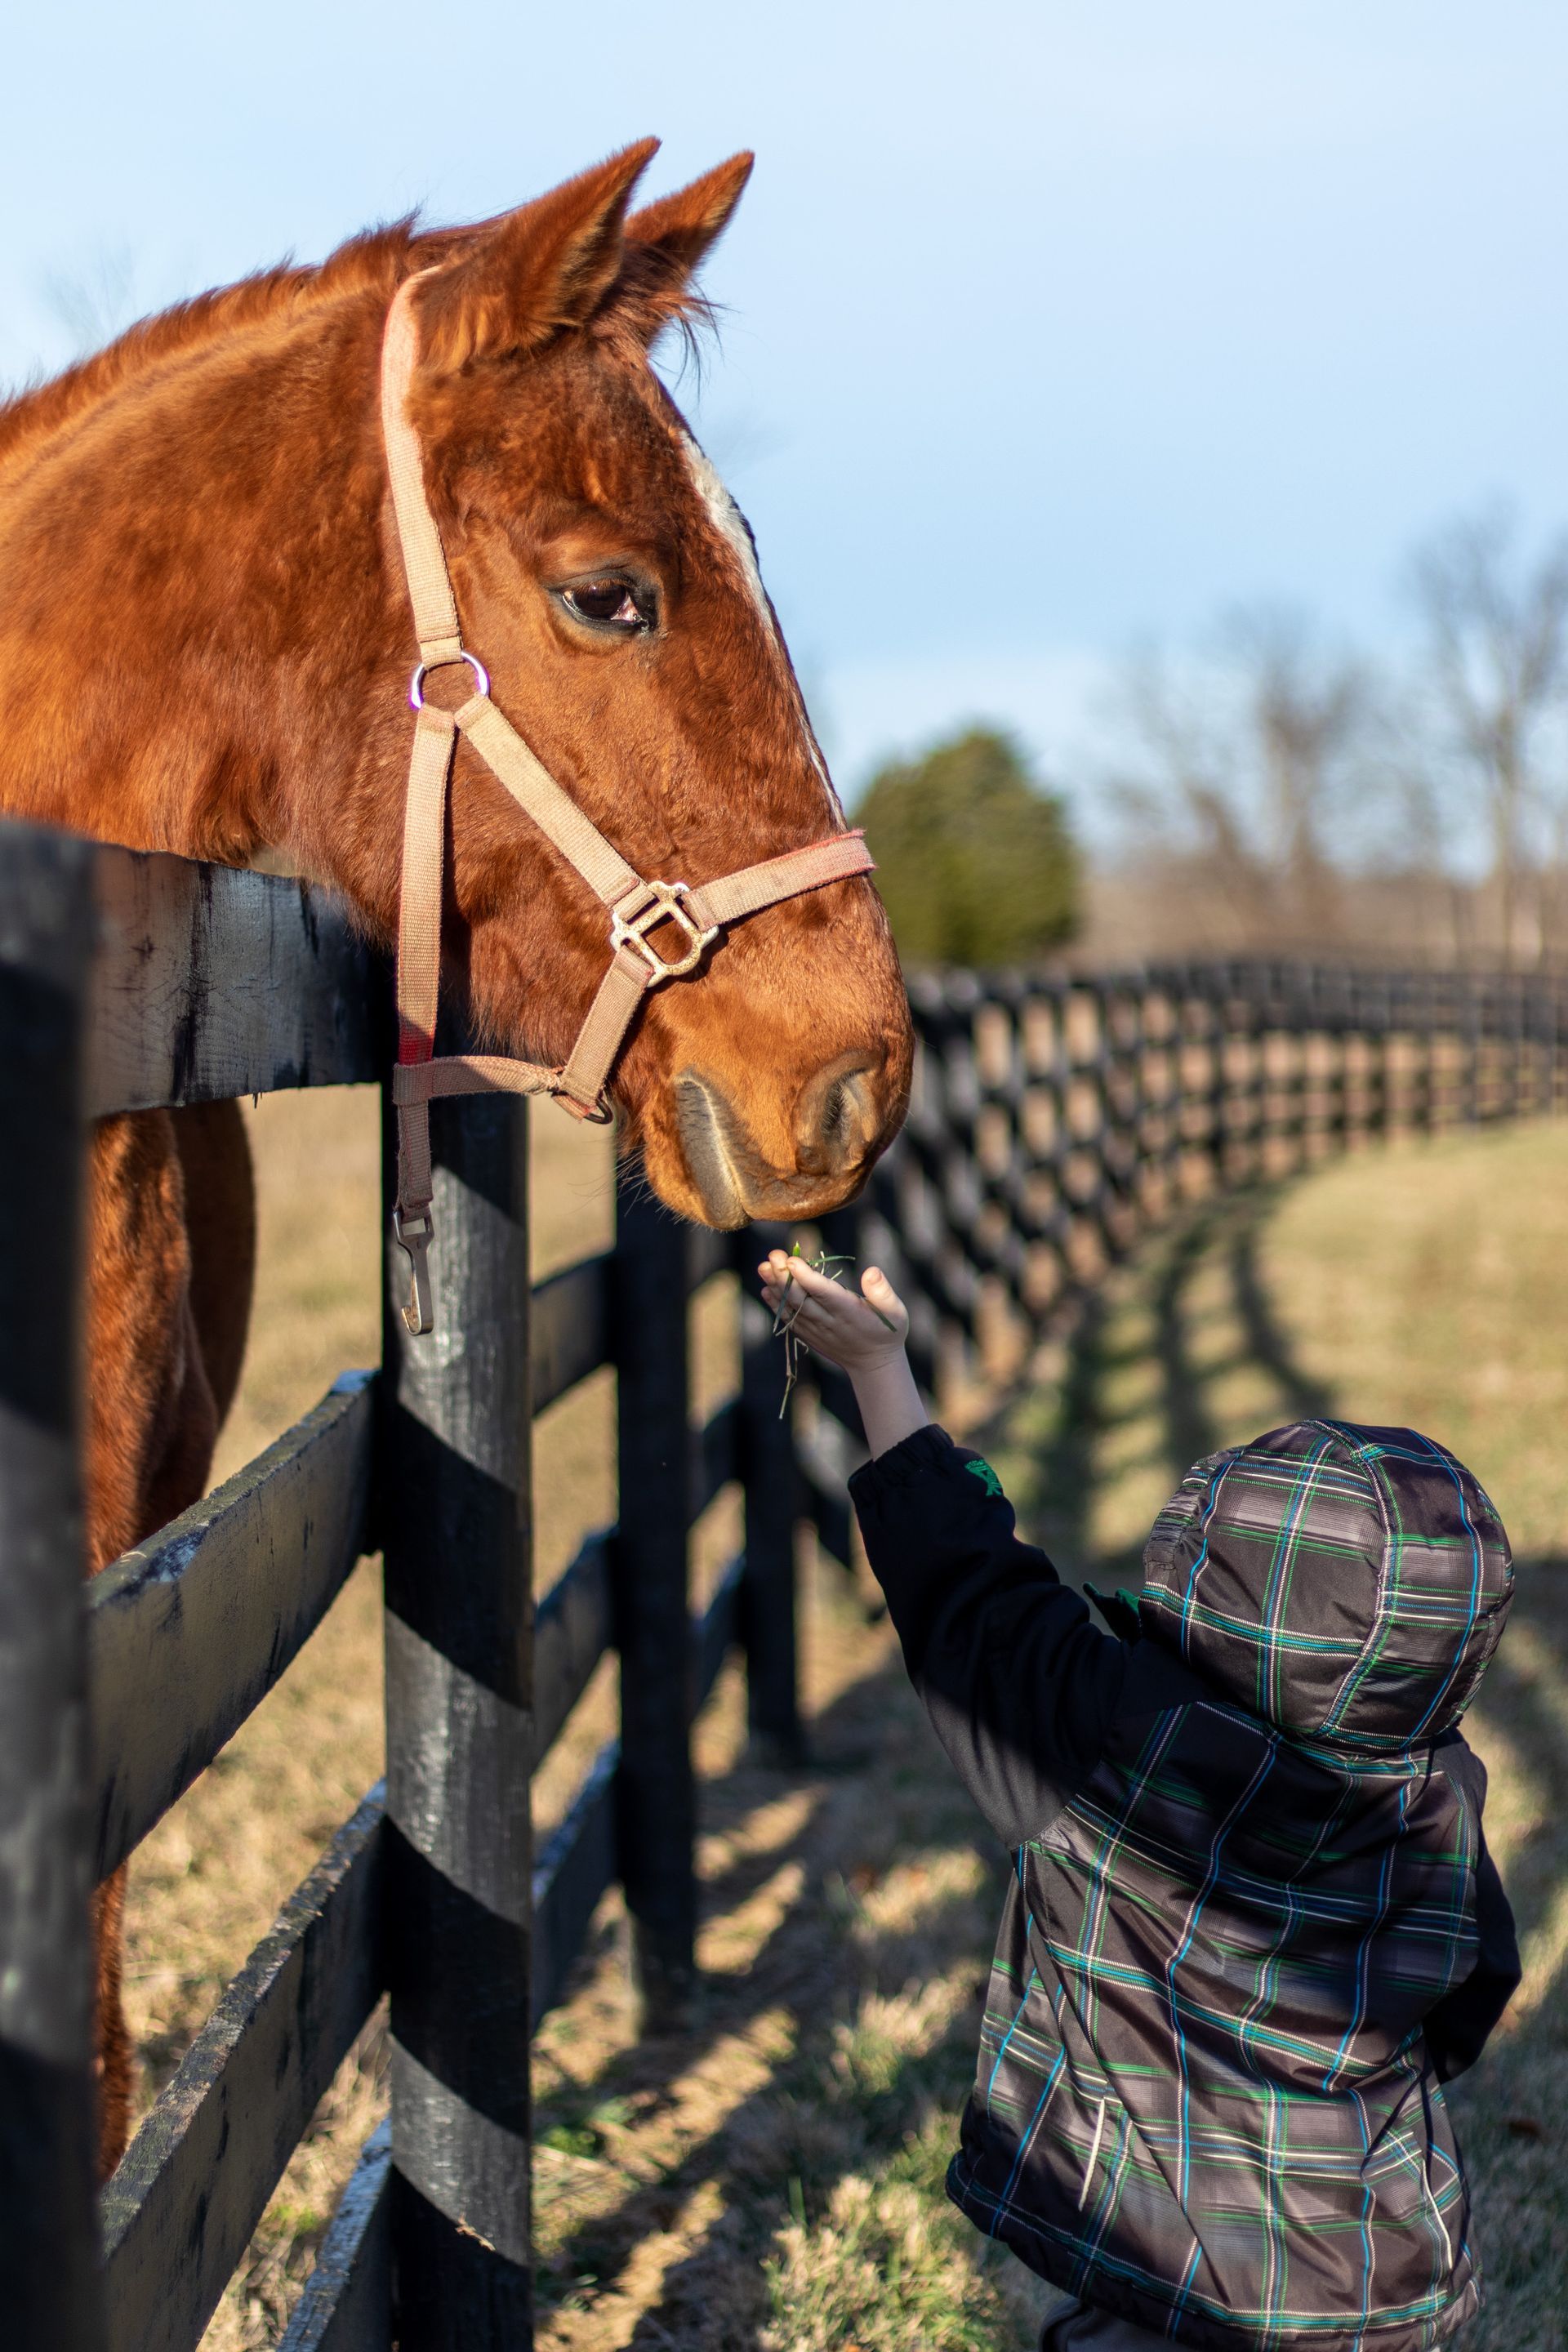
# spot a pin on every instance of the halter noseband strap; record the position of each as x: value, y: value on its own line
x: 638, y: 907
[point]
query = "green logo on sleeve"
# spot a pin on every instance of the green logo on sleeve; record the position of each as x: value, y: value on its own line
x: 986, y: 1475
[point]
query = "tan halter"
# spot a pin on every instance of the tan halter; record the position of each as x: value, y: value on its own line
x: 636, y: 907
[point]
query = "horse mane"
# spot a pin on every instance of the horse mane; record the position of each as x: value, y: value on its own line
x: 376, y: 261
x: 377, y: 258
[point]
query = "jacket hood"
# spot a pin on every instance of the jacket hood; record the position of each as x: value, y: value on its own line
x: 1347, y: 1583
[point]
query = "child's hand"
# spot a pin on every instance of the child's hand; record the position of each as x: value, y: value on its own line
x: 855, y: 1333
x: 864, y: 1337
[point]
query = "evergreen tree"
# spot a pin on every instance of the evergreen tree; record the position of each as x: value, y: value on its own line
x: 974, y: 861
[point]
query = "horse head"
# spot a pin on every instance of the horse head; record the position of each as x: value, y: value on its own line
x: 611, y: 588
x: 207, y: 642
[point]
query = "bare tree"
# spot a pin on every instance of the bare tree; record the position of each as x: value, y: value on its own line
x: 1180, y: 794
x: 1306, y: 714
x: 1497, y: 643
x: 1428, y: 903
x: 1244, y: 769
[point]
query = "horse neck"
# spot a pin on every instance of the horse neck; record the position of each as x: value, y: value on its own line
x: 198, y: 589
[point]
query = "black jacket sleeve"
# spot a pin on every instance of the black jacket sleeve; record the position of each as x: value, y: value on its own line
x: 1020, y: 1686
x: 1458, y: 2026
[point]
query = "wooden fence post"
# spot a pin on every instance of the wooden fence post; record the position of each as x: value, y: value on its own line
x: 1434, y: 1088
x: 50, y: 2281
x: 770, y: 1490
x: 1219, y: 1092
x: 1380, y: 1115
x: 457, y: 1517
x: 1469, y: 1109
x: 656, y: 1811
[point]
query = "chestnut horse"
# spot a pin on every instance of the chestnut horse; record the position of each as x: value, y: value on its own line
x: 204, y: 647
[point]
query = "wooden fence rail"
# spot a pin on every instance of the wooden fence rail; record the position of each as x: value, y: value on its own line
x: 1056, y: 1119
x: 1052, y: 1123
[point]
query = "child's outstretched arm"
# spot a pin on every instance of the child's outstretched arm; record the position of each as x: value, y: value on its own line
x: 864, y: 1337
x: 1019, y: 1684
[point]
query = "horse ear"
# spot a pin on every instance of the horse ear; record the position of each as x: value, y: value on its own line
x: 533, y: 274
x: 666, y: 243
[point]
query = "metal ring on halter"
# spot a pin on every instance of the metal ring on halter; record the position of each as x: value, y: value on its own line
x: 416, y: 682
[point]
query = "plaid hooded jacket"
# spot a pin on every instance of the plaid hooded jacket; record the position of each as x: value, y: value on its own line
x: 1252, y: 1924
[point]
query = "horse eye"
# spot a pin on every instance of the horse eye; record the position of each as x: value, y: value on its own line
x: 608, y: 602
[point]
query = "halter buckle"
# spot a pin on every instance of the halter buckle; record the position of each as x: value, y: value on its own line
x: 652, y: 903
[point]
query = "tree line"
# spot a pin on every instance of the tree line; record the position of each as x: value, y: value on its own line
x: 1277, y: 793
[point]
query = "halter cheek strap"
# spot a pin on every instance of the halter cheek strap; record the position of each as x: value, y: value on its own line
x: 636, y: 907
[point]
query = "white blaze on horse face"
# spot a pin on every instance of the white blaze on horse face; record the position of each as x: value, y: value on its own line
x: 732, y: 527
x: 730, y: 524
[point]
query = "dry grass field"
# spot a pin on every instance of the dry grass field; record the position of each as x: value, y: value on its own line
x: 772, y: 2180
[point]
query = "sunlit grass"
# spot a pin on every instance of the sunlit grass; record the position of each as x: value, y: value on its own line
x: 772, y: 2181
x: 1427, y: 1285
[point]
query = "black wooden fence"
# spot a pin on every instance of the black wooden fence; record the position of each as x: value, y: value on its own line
x: 1056, y: 1119
x: 1052, y: 1123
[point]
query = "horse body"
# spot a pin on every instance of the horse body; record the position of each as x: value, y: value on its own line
x: 205, y: 646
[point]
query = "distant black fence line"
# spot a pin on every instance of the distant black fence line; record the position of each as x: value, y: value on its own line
x: 1053, y: 1121
x: 1057, y: 1119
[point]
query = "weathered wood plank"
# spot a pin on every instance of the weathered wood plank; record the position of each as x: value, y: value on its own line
x: 575, y: 1867
x: 579, y: 1861
x: 771, y: 1484
x: 347, y: 2303
x: 829, y: 1515
x: 572, y: 1628
x: 717, y: 1629
x: 569, y: 1335
x: 656, y: 1794
x: 179, y: 2213
x: 50, y: 2291
x: 825, y: 1453
x: 714, y: 1456
x: 187, y: 1632
x: 831, y: 1450
x: 460, y: 1696
x: 210, y: 982
x: 706, y: 1254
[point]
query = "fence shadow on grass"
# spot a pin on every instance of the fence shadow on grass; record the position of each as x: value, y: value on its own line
x: 1050, y: 1439
x: 860, y: 2082
x: 1511, y: 2109
x: 816, y: 2064
x: 823, y: 2050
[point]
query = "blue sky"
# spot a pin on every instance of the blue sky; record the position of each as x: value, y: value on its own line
x: 1051, y: 330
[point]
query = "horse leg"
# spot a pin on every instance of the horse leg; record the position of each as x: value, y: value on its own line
x: 220, y: 1222
x: 151, y: 1421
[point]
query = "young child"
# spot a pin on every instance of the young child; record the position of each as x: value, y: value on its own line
x: 1252, y: 1926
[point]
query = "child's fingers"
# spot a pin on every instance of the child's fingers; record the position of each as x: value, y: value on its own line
x: 823, y: 1312
x: 815, y: 1285
x: 793, y: 1306
x: 883, y: 1300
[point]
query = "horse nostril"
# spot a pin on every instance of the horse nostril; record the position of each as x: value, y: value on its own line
x: 835, y: 1115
